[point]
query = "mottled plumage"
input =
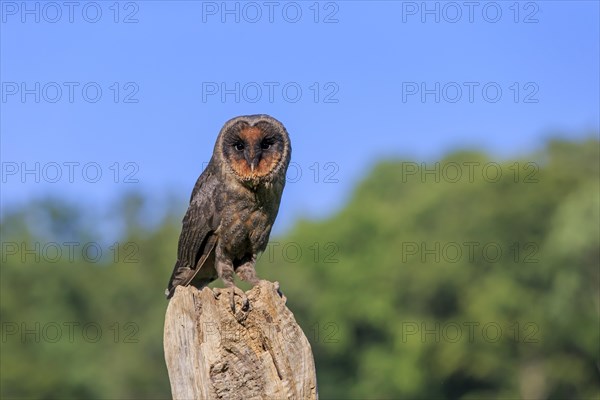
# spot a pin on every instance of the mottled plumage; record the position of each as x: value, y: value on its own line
x: 233, y: 205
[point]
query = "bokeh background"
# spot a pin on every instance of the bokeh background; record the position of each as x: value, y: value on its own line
x: 439, y: 232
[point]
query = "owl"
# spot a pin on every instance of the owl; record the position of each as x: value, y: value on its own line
x: 233, y: 206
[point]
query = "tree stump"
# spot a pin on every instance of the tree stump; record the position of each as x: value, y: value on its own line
x: 260, y: 353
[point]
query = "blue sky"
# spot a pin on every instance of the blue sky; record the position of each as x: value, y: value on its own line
x: 137, y: 91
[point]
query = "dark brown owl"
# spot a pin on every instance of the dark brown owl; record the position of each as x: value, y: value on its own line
x: 233, y: 205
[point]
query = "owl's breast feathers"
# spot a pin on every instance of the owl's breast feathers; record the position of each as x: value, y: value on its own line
x: 248, y: 214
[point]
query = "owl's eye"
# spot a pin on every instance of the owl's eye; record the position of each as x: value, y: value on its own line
x: 239, y: 146
x: 265, y: 145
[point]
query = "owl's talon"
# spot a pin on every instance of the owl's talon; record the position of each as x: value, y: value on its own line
x: 245, y: 303
x: 232, y: 300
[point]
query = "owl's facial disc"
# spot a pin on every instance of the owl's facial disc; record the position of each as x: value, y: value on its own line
x: 254, y: 150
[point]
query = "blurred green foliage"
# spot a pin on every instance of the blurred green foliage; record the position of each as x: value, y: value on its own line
x: 467, y: 278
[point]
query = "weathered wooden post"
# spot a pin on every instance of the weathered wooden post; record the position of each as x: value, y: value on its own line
x: 260, y: 353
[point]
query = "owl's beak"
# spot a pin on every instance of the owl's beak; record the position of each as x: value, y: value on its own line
x: 253, y: 159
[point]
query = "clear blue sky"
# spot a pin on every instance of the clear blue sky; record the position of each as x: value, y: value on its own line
x: 361, y: 68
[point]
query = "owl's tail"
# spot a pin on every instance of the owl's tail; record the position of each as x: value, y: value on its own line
x: 181, y: 276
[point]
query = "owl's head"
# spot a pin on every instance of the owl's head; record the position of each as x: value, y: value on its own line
x: 256, y: 148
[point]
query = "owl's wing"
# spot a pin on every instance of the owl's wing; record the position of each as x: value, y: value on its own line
x: 197, y: 239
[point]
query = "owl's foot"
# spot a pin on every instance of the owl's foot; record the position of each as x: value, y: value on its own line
x: 232, y: 291
x: 245, y: 303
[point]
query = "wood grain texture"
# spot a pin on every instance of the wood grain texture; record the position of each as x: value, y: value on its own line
x: 257, y: 354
